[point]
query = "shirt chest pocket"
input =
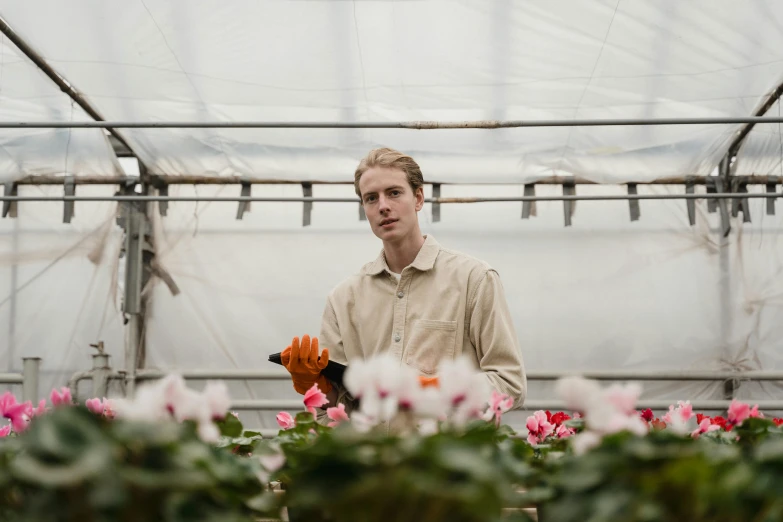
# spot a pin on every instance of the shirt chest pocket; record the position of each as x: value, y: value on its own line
x: 429, y: 343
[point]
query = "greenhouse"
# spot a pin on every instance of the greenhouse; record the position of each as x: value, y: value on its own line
x: 179, y: 200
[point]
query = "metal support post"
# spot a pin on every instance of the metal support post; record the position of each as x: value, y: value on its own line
x: 135, y: 228
x: 30, y: 370
x: 100, y: 374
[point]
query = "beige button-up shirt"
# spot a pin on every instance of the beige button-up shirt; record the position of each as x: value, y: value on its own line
x: 444, y: 305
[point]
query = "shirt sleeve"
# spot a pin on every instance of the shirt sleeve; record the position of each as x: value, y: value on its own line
x: 330, y: 337
x: 494, y: 337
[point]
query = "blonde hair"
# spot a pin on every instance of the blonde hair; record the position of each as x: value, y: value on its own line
x: 390, y: 158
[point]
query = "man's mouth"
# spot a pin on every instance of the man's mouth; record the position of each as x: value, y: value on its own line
x: 388, y: 222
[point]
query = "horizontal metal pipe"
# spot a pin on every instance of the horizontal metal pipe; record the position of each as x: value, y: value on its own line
x: 266, y: 405
x: 414, y: 125
x: 661, y: 375
x: 227, y: 375
x: 658, y: 404
x: 236, y: 199
x: 190, y: 179
x: 600, y: 375
x: 531, y: 404
x: 11, y: 378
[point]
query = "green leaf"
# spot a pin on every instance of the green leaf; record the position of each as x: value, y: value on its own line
x: 770, y: 450
x: 37, y: 472
x: 583, y: 480
x: 230, y: 426
x: 304, y: 417
x: 266, y: 503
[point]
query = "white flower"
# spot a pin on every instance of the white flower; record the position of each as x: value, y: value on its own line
x: 217, y: 398
x: 623, y: 397
x: 362, y: 422
x: 455, y: 378
x: 578, y: 393
x: 208, y: 432
x: 170, y: 398
x: 357, y: 378
x: 678, y: 424
x: 474, y: 402
x: 430, y: 403
x: 191, y: 405
x: 382, y: 409
x: 583, y: 442
x: 428, y: 427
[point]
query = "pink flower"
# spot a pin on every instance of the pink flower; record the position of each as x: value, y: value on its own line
x: 5, y: 430
x: 538, y: 427
x: 95, y: 406
x: 705, y: 426
x: 754, y: 412
x: 314, y: 398
x: 738, y: 412
x: 285, y: 420
x: 499, y: 403
x: 63, y: 398
x: 100, y: 407
x: 337, y: 414
x: 684, y: 412
x: 41, y: 409
x: 18, y: 414
x: 563, y: 432
x: 108, y: 408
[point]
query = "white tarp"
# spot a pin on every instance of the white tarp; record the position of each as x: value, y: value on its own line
x: 416, y: 60
x: 606, y: 293
x: 27, y: 95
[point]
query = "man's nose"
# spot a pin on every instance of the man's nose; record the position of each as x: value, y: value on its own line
x: 383, y: 204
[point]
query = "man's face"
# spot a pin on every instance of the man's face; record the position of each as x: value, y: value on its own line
x: 390, y: 203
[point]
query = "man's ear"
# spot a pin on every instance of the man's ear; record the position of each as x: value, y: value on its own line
x: 419, y: 195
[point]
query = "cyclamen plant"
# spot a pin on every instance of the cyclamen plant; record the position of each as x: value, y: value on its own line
x: 603, y: 412
x: 168, y: 398
x: 391, y: 393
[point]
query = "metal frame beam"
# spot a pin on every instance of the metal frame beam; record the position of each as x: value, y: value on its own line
x: 189, y: 179
x: 64, y: 85
x: 577, y: 197
x: 761, y: 111
x: 413, y: 125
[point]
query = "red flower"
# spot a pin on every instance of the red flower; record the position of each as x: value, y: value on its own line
x: 559, y: 418
x: 700, y: 417
x: 720, y: 421
x: 548, y: 416
x: 647, y: 415
x: 778, y: 421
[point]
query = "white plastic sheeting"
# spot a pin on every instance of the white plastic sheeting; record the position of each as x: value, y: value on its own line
x: 58, y: 284
x: 27, y: 95
x: 605, y: 293
x: 417, y: 60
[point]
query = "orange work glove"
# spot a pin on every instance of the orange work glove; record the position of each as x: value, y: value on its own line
x: 428, y: 381
x: 304, y: 365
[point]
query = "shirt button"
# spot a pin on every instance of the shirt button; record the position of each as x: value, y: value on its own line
x: 400, y: 294
x: 396, y: 338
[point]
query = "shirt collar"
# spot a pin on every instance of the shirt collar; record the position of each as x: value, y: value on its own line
x: 424, y: 261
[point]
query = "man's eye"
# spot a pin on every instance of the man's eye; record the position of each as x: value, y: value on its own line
x: 395, y: 192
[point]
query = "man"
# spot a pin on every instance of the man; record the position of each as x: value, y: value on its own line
x: 418, y: 300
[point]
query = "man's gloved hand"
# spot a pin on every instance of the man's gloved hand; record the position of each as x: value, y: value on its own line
x: 428, y: 381
x: 304, y: 365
